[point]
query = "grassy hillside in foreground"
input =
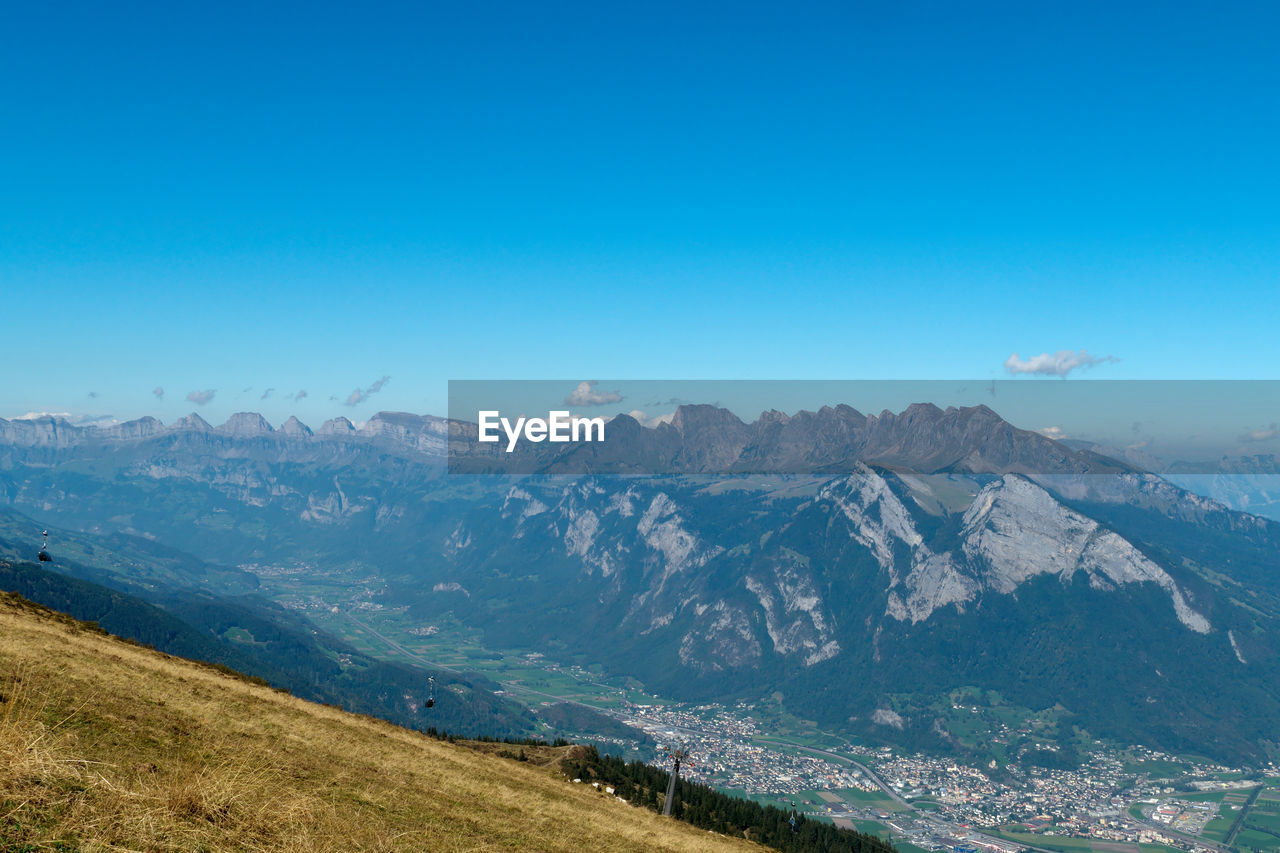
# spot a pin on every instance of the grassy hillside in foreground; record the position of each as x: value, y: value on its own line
x: 109, y: 746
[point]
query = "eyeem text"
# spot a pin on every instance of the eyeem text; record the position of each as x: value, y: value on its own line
x: 556, y: 426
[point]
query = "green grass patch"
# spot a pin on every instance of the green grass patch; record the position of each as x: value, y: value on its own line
x: 872, y: 827
x: 1213, y: 796
x: 1217, y: 829
x: 1255, y: 840
x: 1263, y: 820
x: 1159, y: 769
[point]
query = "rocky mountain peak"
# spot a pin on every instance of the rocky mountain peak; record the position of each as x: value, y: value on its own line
x: 295, y: 427
x: 191, y: 423
x: 246, y: 424
x: 143, y: 427
x: 336, y: 426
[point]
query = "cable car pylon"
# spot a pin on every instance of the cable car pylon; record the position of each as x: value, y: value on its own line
x: 677, y: 755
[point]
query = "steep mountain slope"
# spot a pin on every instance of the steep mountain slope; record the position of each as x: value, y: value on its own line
x: 118, y: 559
x: 104, y: 745
x: 263, y: 640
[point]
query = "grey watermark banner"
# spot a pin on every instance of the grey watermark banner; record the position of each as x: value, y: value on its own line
x: 731, y: 427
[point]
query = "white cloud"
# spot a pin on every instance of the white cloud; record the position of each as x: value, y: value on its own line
x: 31, y: 416
x: 74, y: 420
x: 587, y: 395
x: 266, y: 395
x: 1059, y: 363
x: 357, y: 396
x: 201, y: 397
x: 1266, y: 434
x: 1054, y: 432
x: 650, y: 422
x: 95, y: 420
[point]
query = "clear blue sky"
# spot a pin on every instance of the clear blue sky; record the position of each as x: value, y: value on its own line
x: 222, y: 196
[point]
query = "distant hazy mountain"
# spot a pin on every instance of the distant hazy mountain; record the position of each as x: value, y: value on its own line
x: 883, y: 560
x: 1246, y: 483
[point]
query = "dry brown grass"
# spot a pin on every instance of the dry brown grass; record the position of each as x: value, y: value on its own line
x: 105, y: 746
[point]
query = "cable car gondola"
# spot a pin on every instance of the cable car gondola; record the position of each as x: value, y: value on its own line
x: 43, y: 556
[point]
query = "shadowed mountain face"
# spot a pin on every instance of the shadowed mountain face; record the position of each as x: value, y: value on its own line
x: 261, y: 639
x: 900, y: 556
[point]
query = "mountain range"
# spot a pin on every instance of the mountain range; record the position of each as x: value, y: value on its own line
x: 857, y: 568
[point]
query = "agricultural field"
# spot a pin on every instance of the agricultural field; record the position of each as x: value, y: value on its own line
x: 1156, y: 769
x: 1260, y: 830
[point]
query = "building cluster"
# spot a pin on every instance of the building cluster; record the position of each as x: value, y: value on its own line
x: 1110, y: 797
x: 723, y: 751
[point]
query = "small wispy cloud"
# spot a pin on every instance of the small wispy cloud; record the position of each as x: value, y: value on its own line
x: 1059, y: 363
x: 93, y: 395
x: 646, y: 420
x: 1267, y: 433
x: 159, y: 392
x: 31, y: 416
x: 266, y: 395
x: 201, y: 397
x: 301, y: 395
x: 1054, y: 432
x: 358, y: 396
x: 74, y: 420
x: 95, y: 420
x: 587, y: 395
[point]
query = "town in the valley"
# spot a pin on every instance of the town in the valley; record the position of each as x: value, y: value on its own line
x: 1113, y: 802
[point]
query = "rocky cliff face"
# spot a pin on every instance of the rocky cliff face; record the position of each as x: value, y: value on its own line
x: 644, y: 547
x: 1016, y: 530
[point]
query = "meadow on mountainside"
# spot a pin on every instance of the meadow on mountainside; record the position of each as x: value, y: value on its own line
x: 108, y: 746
